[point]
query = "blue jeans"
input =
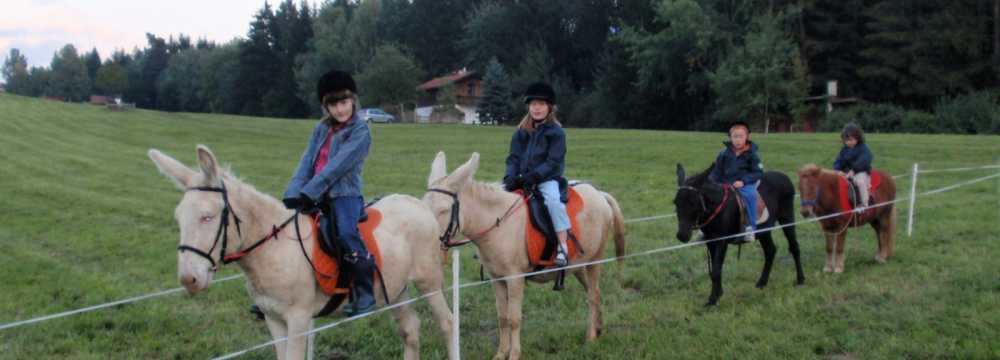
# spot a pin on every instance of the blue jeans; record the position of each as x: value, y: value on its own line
x: 749, y: 194
x: 346, y: 211
x: 557, y: 210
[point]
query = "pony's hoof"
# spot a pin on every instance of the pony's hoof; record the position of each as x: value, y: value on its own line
x: 499, y: 356
x: 711, y: 303
x: 827, y: 269
x: 880, y: 259
x: 800, y: 282
x: 838, y: 270
x: 761, y: 285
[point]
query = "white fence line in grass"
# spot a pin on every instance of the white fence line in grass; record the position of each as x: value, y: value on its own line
x: 643, y: 219
x: 105, y: 305
x: 455, y: 304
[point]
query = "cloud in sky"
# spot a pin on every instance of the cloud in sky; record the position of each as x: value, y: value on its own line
x: 40, y: 28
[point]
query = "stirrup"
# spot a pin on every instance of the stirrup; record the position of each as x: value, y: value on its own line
x: 560, y: 260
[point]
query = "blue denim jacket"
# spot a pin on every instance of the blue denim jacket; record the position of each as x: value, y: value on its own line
x: 342, y: 174
x: 539, y: 155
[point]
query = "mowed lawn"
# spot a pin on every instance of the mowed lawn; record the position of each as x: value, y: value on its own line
x: 85, y: 218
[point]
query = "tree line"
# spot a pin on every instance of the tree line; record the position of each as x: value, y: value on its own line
x: 656, y: 64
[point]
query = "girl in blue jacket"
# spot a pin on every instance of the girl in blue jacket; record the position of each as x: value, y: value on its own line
x: 738, y: 165
x: 328, y: 179
x: 855, y: 160
x: 538, y: 157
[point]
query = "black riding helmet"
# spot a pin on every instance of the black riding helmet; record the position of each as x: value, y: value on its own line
x: 334, y: 81
x: 540, y: 91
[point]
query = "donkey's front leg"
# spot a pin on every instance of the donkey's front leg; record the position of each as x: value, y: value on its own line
x: 299, y: 322
x: 278, y: 330
x: 515, y: 296
x: 717, y: 252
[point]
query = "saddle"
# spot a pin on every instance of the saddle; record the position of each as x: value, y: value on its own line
x: 762, y: 214
x: 328, y: 259
x: 540, y: 235
x: 848, y: 191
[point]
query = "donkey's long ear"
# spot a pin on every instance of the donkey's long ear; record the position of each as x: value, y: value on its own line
x: 680, y: 175
x: 465, y: 172
x: 439, y: 169
x: 175, y: 171
x: 209, y: 166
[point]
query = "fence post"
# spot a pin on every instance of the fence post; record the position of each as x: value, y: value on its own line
x: 455, y: 305
x: 913, y: 199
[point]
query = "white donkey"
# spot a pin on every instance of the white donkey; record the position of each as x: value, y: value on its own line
x: 216, y: 205
x: 483, y: 214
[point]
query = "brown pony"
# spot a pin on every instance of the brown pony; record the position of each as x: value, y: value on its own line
x: 821, y: 196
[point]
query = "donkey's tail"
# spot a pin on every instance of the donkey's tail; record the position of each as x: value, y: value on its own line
x: 618, y: 227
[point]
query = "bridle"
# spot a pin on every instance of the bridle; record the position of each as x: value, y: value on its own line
x: 704, y: 207
x: 223, y: 232
x: 455, y: 222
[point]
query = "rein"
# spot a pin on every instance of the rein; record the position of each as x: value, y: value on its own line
x: 223, y: 232
x: 704, y: 208
x: 455, y: 223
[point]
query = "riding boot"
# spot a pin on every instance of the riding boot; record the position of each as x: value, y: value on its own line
x: 363, y: 297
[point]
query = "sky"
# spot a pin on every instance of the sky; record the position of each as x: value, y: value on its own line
x: 40, y: 28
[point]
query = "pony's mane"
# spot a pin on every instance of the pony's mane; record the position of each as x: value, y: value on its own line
x: 813, y: 169
x: 701, y: 177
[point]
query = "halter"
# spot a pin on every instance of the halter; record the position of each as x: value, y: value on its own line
x: 814, y: 202
x: 223, y: 232
x: 704, y: 208
x: 454, y: 223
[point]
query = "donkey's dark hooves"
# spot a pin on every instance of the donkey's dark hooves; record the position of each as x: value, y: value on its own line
x: 761, y: 286
x: 800, y: 282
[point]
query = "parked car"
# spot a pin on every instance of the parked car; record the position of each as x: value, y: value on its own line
x: 372, y: 115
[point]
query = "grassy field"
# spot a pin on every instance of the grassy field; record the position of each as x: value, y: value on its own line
x: 85, y: 218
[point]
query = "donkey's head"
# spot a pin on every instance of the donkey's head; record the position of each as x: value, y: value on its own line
x: 443, y: 190
x: 689, y: 201
x: 203, y: 216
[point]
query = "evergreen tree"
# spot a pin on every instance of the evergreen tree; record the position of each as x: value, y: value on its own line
x: 15, y: 73
x: 69, y: 75
x: 494, y: 106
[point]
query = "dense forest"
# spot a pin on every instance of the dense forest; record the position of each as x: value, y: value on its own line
x: 918, y: 66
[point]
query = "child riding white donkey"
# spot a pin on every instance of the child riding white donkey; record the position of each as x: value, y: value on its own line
x: 279, y: 277
x: 288, y: 286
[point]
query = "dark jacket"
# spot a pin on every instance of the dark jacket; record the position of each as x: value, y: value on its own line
x: 859, y: 159
x: 729, y: 168
x: 342, y: 174
x: 538, y: 155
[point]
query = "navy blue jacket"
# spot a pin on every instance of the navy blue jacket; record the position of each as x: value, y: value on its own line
x: 342, y: 174
x: 858, y: 159
x: 729, y: 168
x: 538, y: 155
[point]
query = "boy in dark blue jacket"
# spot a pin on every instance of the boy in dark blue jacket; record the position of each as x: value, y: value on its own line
x: 855, y: 160
x: 738, y: 165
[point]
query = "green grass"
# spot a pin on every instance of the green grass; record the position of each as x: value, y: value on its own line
x: 85, y: 218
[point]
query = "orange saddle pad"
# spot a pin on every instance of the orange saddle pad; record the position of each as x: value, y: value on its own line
x: 326, y: 266
x: 535, y: 240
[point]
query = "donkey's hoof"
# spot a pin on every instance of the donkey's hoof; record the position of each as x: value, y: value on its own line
x: 879, y: 259
x: 500, y: 356
x: 827, y: 269
x: 838, y: 270
x: 761, y: 285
